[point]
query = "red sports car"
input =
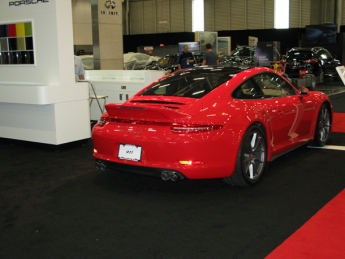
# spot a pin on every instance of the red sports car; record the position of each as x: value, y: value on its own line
x: 210, y: 122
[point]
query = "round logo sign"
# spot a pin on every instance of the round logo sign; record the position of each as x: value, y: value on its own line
x: 110, y: 4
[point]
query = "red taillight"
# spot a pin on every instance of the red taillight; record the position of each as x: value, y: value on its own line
x: 180, y: 128
x: 193, y: 128
x: 311, y: 61
x: 302, y: 72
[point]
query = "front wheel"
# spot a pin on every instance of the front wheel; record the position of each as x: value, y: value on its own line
x: 323, y: 125
x: 251, y: 159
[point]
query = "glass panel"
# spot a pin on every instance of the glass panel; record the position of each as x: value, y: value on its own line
x: 3, y: 31
x: 28, y: 29
x: 20, y: 29
x: 3, y: 58
x: 4, y: 44
x: 12, y: 43
x: 28, y: 43
x: 9, y: 57
x: 11, y: 30
x: 21, y: 44
x: 17, y: 57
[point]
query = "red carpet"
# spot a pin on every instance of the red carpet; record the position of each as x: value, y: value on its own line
x: 322, y: 237
x: 338, y: 124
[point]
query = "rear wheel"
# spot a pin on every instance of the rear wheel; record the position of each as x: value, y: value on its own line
x: 323, y: 125
x: 251, y: 159
x: 321, y: 75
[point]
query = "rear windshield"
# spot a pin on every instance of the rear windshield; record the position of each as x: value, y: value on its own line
x: 192, y: 85
x: 301, y: 55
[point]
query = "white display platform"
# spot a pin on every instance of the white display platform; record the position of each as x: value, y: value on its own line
x: 118, y: 85
x: 45, y: 114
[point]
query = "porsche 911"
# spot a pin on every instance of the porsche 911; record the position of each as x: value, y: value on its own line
x: 210, y: 122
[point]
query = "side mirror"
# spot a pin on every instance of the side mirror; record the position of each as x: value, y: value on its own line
x: 303, y: 91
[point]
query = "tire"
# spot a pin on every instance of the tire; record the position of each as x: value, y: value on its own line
x: 321, y: 76
x: 323, y: 126
x: 251, y: 159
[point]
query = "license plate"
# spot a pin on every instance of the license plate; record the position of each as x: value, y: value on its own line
x: 129, y: 152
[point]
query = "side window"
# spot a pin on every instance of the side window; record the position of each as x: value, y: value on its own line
x: 247, y: 90
x: 273, y: 86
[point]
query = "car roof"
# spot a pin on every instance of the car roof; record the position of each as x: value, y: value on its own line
x: 305, y: 49
x: 232, y: 70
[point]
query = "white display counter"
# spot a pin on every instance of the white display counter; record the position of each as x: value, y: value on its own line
x: 54, y: 114
x: 39, y: 98
x: 118, y: 85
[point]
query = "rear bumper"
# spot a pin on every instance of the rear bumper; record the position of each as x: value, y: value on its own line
x: 213, y: 154
x: 135, y: 169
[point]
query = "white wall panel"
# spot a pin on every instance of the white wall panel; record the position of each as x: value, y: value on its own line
x: 255, y: 14
x: 163, y: 18
x: 221, y: 15
x: 305, y: 13
x: 238, y: 15
x: 188, y: 15
x: 136, y: 17
x: 209, y: 14
x: 177, y: 15
x: 269, y: 14
x: 299, y: 13
x: 149, y: 21
x: 82, y: 22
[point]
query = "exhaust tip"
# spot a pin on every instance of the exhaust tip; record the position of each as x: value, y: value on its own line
x: 100, y: 165
x: 171, y: 175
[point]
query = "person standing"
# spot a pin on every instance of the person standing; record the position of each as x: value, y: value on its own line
x: 210, y: 58
x: 78, y: 69
x: 186, y: 59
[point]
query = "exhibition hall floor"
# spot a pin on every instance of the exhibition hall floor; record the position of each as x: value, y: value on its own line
x: 58, y: 205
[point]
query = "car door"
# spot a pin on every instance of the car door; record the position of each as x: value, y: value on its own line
x: 289, y: 115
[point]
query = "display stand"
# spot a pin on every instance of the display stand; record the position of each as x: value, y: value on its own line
x: 39, y: 98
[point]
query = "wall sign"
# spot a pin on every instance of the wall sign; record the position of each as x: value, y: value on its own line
x: 16, y: 44
x: 110, y: 4
x: 26, y: 2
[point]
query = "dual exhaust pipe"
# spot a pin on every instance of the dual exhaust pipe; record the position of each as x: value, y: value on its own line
x: 171, y: 175
x: 100, y: 165
x: 165, y: 175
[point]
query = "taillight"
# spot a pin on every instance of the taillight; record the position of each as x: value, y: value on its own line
x: 193, y: 128
x: 302, y: 72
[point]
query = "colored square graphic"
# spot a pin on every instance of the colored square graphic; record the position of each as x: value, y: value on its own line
x: 16, y: 43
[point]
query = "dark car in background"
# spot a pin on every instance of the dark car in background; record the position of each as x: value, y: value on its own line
x: 243, y: 55
x: 246, y: 56
x: 169, y: 62
x: 316, y: 61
